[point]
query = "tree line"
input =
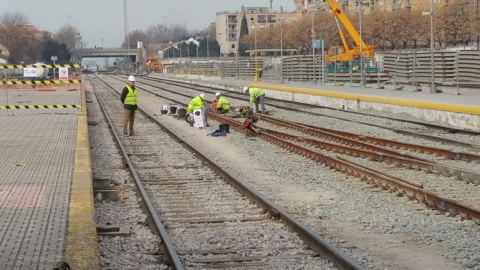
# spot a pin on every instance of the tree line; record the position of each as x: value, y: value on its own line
x: 22, y: 44
x: 455, y: 24
x: 158, y: 37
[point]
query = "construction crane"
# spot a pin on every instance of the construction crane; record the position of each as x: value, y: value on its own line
x: 343, y: 55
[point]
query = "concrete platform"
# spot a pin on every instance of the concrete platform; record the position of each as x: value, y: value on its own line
x: 448, y: 108
x: 37, y: 167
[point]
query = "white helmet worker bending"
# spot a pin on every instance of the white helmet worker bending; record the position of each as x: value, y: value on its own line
x: 257, y: 96
x: 217, y: 94
x: 202, y: 96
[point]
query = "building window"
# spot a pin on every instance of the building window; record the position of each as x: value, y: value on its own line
x: 233, y: 46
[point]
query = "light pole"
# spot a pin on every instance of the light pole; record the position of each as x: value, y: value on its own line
x: 362, y: 81
x: 281, y: 49
x: 432, y: 47
x: 313, y: 48
x: 256, y: 68
x: 69, y: 16
x: 102, y: 43
x: 208, y: 53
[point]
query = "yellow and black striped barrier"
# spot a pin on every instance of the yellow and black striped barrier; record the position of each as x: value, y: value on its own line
x: 39, y: 82
x: 38, y: 66
x: 33, y: 107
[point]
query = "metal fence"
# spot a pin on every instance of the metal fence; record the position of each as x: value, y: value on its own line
x: 461, y: 67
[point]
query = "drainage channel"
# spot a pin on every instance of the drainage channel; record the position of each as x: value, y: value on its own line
x: 180, y: 189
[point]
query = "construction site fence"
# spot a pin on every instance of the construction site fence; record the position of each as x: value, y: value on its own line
x: 229, y: 67
x: 460, y: 67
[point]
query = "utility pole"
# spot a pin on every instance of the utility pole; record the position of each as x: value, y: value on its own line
x: 165, y: 20
x: 69, y: 16
x: 432, y: 47
x: 125, y: 30
x: 281, y: 49
x: 362, y: 81
x: 313, y: 49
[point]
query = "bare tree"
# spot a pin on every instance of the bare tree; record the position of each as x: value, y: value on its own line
x: 134, y: 37
x: 17, y: 37
x: 70, y: 36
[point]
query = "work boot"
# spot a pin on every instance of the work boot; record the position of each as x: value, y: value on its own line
x: 125, y: 134
x: 132, y: 133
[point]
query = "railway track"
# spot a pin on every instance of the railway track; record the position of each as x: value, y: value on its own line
x: 207, y: 218
x: 416, y: 129
x: 387, y: 181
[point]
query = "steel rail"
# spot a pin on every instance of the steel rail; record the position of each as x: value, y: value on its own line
x: 448, y: 129
x: 170, y: 253
x: 311, y: 238
x: 431, y: 199
x: 378, y: 141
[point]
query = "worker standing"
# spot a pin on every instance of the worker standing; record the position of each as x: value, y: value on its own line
x: 260, y: 72
x: 256, y: 95
x: 223, y: 106
x: 129, y: 100
x: 196, y: 103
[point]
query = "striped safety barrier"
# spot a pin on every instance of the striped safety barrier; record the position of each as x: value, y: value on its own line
x: 38, y: 66
x: 39, y: 82
x: 32, y: 107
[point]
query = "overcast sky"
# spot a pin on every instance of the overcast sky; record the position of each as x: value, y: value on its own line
x: 97, y: 19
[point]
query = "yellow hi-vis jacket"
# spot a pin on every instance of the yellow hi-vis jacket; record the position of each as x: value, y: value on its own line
x: 222, y: 105
x: 254, y: 94
x: 196, y: 103
x: 131, y: 98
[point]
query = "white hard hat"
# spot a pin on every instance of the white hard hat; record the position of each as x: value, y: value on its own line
x: 131, y: 78
x: 245, y: 89
x: 202, y: 96
x: 217, y: 94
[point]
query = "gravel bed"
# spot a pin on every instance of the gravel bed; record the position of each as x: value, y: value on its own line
x: 447, y: 187
x: 397, y: 124
x: 140, y: 249
x: 328, y: 201
x: 356, y: 205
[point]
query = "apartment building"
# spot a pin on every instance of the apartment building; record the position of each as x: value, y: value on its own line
x: 306, y: 6
x: 228, y: 24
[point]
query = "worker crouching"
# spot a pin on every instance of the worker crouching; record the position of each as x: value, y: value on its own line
x: 221, y: 104
x: 197, y: 103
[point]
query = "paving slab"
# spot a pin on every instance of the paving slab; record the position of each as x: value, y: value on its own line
x: 36, y: 167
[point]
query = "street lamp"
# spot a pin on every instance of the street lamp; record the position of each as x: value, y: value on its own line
x: 256, y: 61
x: 432, y: 47
x: 313, y: 48
x: 362, y: 81
x: 69, y: 16
x: 255, y: 34
x: 281, y: 48
x: 208, y: 53
x: 102, y: 43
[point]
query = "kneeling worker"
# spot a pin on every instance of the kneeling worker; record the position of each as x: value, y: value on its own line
x: 222, y: 104
x: 256, y: 95
x: 196, y: 103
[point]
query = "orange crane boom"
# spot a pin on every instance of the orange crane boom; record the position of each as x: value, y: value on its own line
x: 344, y: 53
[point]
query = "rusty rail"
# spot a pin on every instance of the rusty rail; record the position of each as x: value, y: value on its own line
x: 341, y: 135
x: 387, y: 183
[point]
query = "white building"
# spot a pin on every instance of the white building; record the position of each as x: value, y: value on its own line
x: 228, y: 24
